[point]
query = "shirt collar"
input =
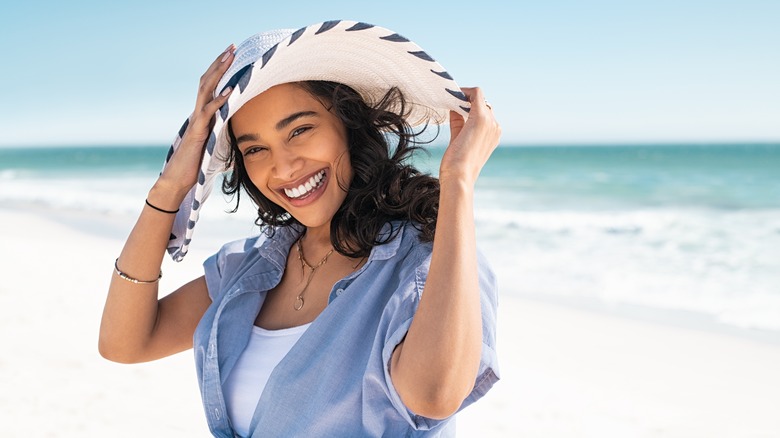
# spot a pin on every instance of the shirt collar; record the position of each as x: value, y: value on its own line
x: 389, y: 249
x: 277, y: 248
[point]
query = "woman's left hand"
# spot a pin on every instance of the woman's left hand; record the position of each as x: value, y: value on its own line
x: 471, y: 141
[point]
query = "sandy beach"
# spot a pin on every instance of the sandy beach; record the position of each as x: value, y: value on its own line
x: 566, y: 372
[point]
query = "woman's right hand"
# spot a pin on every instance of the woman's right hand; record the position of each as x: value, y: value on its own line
x: 181, y: 173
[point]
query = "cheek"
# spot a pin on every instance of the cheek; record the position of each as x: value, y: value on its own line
x: 258, y: 175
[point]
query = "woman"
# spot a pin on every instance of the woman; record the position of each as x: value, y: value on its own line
x: 364, y: 309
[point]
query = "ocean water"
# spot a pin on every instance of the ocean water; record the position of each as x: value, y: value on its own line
x: 691, y: 228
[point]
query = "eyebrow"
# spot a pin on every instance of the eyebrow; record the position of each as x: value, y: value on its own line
x: 293, y: 117
x: 279, y: 126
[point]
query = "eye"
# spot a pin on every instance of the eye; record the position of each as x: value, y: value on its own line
x: 253, y: 150
x: 299, y: 131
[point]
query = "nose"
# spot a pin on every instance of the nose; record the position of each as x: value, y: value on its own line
x: 287, y: 164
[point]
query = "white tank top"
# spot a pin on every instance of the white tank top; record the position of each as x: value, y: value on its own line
x: 247, y: 379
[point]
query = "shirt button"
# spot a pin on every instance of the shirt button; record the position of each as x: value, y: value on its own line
x: 217, y: 413
x: 339, y: 291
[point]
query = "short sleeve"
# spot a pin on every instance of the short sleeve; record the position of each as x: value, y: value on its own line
x: 488, y: 373
x: 222, y: 266
x: 213, y: 267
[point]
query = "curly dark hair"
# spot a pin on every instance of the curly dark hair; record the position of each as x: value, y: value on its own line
x: 385, y: 186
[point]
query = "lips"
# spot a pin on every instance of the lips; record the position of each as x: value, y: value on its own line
x: 307, y: 187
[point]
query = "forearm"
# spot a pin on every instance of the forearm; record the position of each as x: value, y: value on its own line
x: 130, y: 312
x: 439, y: 359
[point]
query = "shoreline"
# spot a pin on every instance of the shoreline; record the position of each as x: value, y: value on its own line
x: 565, y: 371
x: 210, y: 239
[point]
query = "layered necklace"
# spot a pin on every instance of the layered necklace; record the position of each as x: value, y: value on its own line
x: 304, y: 264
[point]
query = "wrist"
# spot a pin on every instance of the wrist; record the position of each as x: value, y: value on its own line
x: 456, y: 185
x: 459, y: 181
x: 166, y: 197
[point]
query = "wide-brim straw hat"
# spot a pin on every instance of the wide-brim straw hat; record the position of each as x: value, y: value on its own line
x: 370, y: 59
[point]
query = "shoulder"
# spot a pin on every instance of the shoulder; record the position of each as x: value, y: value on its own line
x: 245, y: 257
x: 402, y: 251
x: 235, y: 252
x: 411, y: 258
x: 411, y: 249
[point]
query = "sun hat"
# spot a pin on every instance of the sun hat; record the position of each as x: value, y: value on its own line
x: 368, y: 58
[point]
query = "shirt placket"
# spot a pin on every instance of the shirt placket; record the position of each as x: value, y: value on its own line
x: 216, y: 411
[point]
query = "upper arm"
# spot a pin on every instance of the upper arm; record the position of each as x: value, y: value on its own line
x: 178, y: 314
x: 486, y: 373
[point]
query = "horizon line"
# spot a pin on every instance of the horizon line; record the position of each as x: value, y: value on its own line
x: 584, y: 143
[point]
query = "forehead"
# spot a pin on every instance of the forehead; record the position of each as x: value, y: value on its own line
x: 274, y: 104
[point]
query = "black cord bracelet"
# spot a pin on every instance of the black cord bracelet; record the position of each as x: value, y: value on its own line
x: 160, y: 209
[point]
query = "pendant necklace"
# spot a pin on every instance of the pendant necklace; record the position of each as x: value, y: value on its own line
x: 299, y: 299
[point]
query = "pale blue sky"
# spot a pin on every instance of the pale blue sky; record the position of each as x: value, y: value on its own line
x: 96, y: 72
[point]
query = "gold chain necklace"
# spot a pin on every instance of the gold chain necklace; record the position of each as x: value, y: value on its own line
x: 299, y: 299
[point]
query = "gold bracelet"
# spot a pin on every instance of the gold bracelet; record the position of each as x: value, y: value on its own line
x: 126, y: 277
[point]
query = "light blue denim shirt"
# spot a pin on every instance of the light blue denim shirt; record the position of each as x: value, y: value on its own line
x: 335, y: 381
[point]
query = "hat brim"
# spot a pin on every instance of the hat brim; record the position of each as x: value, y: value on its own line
x: 369, y: 59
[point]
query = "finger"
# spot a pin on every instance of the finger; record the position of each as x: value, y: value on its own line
x: 221, y: 61
x: 214, y: 105
x: 210, y: 79
x: 217, y: 68
x: 203, y: 119
x: 477, y: 99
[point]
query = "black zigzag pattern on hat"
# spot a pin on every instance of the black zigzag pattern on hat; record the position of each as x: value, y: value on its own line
x: 267, y: 55
x: 458, y: 94
x: 238, y: 78
x: 395, y: 38
x: 212, y: 141
x: 326, y: 26
x: 297, y: 34
x: 243, y: 79
x: 360, y: 26
x: 224, y: 111
x: 422, y: 55
x: 443, y: 74
x: 184, y: 127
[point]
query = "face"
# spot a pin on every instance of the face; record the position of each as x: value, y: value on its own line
x: 295, y: 152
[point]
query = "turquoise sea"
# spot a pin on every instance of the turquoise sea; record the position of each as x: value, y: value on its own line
x: 688, y: 228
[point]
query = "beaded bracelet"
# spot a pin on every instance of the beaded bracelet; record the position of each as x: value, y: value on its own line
x: 126, y: 277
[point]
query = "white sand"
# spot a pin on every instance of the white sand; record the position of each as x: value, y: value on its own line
x: 566, y: 372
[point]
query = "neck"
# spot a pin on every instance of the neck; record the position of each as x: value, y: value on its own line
x: 316, y: 241
x: 316, y: 244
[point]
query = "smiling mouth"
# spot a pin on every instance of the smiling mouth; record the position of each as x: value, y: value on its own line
x: 308, y: 187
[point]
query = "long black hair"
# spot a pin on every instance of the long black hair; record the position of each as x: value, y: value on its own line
x: 385, y: 185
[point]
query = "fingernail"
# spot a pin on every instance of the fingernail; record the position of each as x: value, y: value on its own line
x: 227, y: 91
x: 225, y: 57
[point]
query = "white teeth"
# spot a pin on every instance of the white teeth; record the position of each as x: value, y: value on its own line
x: 306, y: 187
